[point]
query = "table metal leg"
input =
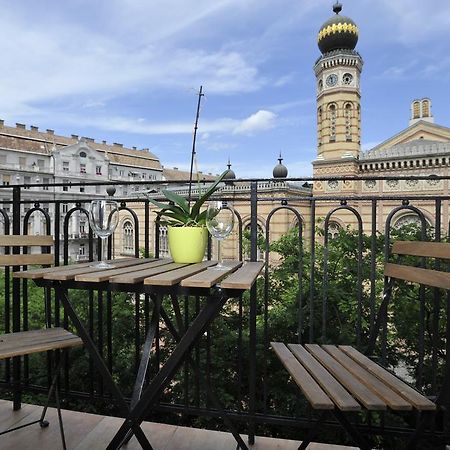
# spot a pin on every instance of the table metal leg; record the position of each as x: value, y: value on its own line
x: 209, y: 391
x: 145, y: 358
x: 100, y: 364
x: 166, y: 373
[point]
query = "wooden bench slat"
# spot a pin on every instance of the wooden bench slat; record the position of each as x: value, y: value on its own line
x: 209, y: 278
x: 347, y: 379
x: 27, y: 259
x: 25, y: 240
x: 312, y: 391
x: 393, y: 400
x: 175, y: 276
x: 439, y: 250
x: 105, y: 275
x: 70, y: 274
x: 343, y: 400
x: 244, y: 277
x: 407, y: 392
x: 33, y: 341
x: 429, y: 277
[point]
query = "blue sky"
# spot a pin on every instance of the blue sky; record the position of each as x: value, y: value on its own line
x: 128, y: 71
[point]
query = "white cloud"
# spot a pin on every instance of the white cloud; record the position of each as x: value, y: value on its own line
x: 71, y: 63
x: 260, y: 121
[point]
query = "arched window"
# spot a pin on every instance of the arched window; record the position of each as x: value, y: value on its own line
x: 319, y: 126
x: 407, y: 219
x: 128, y: 238
x: 332, y: 116
x: 416, y: 110
x: 333, y: 230
x: 163, y: 242
x: 425, y: 108
x: 348, y: 122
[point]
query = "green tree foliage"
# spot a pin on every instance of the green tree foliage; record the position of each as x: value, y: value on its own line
x: 224, y: 352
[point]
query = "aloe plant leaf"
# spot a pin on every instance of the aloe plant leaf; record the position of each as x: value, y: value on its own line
x: 198, y: 204
x: 177, y: 199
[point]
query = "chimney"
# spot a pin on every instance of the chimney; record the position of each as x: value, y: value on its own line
x: 20, y: 125
x: 33, y: 128
x: 88, y: 139
x: 50, y: 131
x: 104, y: 142
x: 117, y: 144
x: 2, y: 122
x: 134, y: 148
x: 74, y: 136
x: 175, y: 168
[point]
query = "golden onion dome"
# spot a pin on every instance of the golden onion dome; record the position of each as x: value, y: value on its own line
x: 337, y: 33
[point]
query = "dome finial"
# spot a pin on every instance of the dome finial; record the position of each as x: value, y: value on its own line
x: 280, y: 159
x: 229, y: 164
x: 337, y: 7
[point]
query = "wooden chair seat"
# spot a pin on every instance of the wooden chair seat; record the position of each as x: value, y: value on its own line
x: 342, y: 377
x: 33, y: 341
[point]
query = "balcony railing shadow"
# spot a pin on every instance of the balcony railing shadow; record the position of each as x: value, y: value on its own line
x: 323, y: 281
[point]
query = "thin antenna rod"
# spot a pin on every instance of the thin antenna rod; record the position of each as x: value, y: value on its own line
x: 200, y: 95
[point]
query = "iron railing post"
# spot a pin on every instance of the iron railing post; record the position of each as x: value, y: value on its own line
x: 16, y: 299
x: 252, y: 318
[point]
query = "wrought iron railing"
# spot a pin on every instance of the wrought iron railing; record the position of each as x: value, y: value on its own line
x: 301, y: 306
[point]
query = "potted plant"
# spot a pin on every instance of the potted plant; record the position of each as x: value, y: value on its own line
x: 186, y: 224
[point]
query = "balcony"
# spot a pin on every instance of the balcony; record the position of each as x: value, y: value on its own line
x: 323, y: 284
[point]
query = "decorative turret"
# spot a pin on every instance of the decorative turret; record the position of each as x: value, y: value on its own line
x: 280, y: 170
x: 230, y: 175
x: 338, y: 74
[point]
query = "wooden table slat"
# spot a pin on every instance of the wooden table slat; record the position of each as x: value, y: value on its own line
x: 407, y: 392
x: 175, y: 276
x: 65, y: 275
x: 210, y: 277
x: 343, y: 400
x: 105, y: 275
x: 139, y: 276
x: 244, y: 277
x: 393, y: 400
x: 347, y: 379
x: 312, y: 391
x: 33, y: 274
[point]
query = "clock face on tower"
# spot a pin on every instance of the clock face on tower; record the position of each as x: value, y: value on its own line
x: 331, y: 80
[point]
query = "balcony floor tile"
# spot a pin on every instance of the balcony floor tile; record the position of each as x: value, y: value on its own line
x: 93, y: 432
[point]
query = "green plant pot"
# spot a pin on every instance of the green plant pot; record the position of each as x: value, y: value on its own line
x: 187, y: 244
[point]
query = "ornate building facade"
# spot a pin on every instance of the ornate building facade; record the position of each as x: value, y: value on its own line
x: 422, y: 149
x: 29, y: 156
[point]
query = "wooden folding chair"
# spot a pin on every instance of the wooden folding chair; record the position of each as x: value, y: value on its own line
x: 20, y: 343
x: 340, y: 380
